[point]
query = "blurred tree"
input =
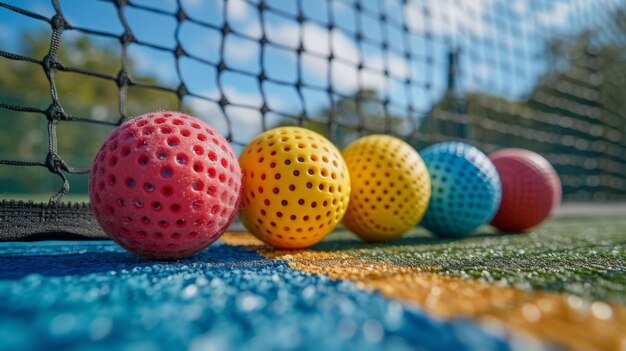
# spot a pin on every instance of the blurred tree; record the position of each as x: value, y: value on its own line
x: 578, y: 101
x: 24, y: 136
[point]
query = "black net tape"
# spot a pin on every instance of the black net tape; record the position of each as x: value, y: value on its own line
x: 544, y: 75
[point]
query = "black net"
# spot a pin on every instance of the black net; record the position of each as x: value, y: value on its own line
x: 544, y: 75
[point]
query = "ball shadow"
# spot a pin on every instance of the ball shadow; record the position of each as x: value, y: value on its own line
x: 353, y: 242
x: 20, y: 265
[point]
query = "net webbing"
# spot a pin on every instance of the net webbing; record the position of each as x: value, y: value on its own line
x: 544, y: 75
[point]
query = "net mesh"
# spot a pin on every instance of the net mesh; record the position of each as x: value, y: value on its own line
x: 543, y: 75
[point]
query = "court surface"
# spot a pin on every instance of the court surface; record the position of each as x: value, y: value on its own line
x: 562, y: 285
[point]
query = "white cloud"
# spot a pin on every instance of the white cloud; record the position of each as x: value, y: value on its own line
x: 245, y: 123
x: 396, y: 65
x: 251, y: 29
x: 482, y: 70
x: 241, y: 49
x: 555, y: 16
x: 163, y: 69
x: 237, y: 10
x: 315, y: 39
x: 448, y: 18
x: 520, y: 7
x: 208, y: 111
x: 344, y: 47
x: 564, y: 13
x: 373, y: 80
x: 285, y: 34
x: 339, y: 7
x: 316, y: 65
x: 345, y: 76
x: 319, y: 40
x: 237, y: 97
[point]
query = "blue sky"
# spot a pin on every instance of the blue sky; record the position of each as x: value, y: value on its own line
x: 501, y: 43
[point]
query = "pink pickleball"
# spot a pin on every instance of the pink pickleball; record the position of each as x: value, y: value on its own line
x: 531, y: 189
x: 165, y: 185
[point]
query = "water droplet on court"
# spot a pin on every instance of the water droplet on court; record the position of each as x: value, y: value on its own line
x: 601, y: 310
x: 531, y: 313
x: 190, y: 291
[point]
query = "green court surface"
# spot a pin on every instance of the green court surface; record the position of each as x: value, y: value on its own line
x: 584, y: 257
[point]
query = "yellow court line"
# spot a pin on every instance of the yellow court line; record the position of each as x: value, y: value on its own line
x: 559, y: 318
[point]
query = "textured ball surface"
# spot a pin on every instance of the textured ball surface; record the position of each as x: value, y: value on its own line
x: 531, y: 189
x: 296, y: 187
x: 390, y: 187
x: 466, y: 189
x: 165, y: 185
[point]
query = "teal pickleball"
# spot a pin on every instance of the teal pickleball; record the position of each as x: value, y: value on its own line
x: 466, y: 189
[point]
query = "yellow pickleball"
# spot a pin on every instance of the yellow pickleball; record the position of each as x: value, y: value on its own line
x: 296, y: 187
x: 390, y: 187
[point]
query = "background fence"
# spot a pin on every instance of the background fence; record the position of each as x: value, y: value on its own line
x: 545, y: 75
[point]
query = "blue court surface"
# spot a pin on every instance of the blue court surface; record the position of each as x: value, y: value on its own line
x: 95, y: 296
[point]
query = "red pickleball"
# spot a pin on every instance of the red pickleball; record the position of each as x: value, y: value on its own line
x: 165, y: 185
x: 531, y: 189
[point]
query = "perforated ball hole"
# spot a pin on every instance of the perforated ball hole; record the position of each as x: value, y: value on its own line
x: 212, y: 172
x: 141, y: 144
x: 156, y: 206
x: 198, y: 150
x: 198, y: 167
x: 148, y: 187
x: 173, y: 141
x: 197, y: 185
x: 142, y: 123
x: 211, y: 190
x: 175, y: 208
x: 167, y: 191
x: 167, y: 172
x: 212, y: 156
x: 182, y: 159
